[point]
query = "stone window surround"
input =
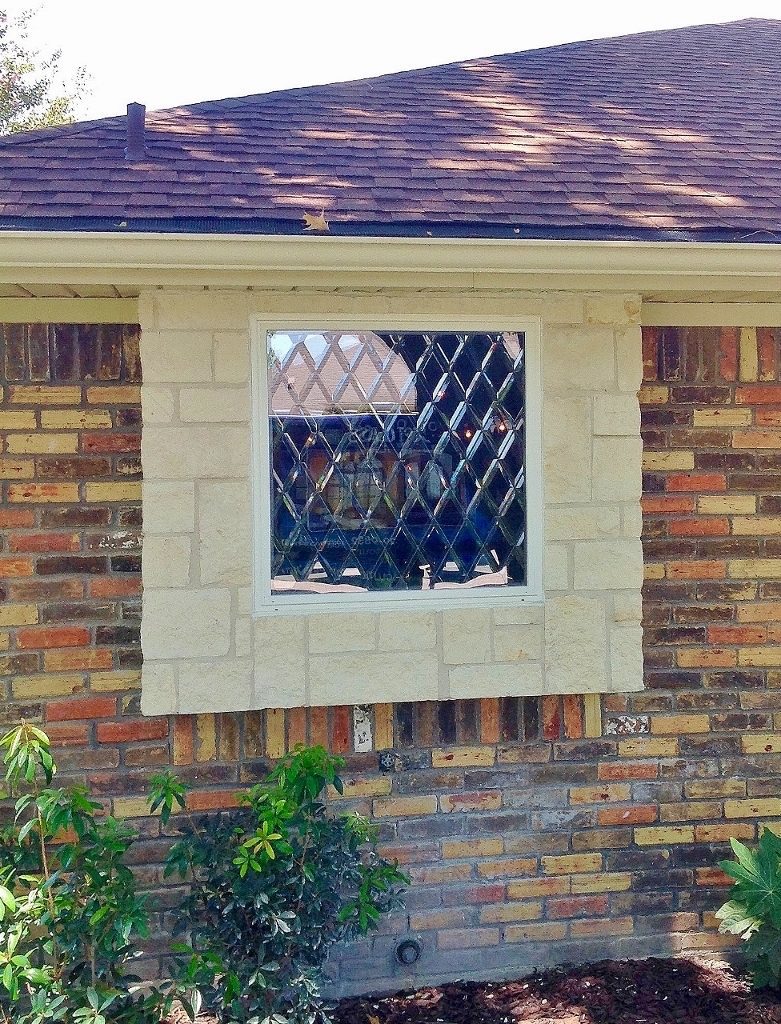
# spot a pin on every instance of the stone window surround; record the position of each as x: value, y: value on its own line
x: 264, y: 603
x: 204, y: 648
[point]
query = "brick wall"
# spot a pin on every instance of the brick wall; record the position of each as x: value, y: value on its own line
x: 536, y: 830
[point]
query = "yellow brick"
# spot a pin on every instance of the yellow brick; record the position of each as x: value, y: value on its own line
x: 471, y: 848
x: 18, y: 614
x: 571, y: 864
x: 648, y: 748
x: 656, y: 461
x: 510, y: 866
x: 768, y: 611
x: 17, y: 420
x: 5, y: 641
x: 42, y: 443
x: 534, y: 932
x: 105, y: 682
x: 675, y: 725
x: 722, y: 417
x: 760, y: 657
x: 748, y: 354
x: 592, y: 706
x: 553, y: 885
x: 653, y: 395
x: 354, y: 788
x: 502, y: 912
x: 129, y: 395
x: 35, y: 494
x: 653, y: 571
x: 714, y: 788
x: 761, y: 743
x: 45, y: 394
x: 690, y: 810
x: 746, y: 526
x: 41, y: 686
x: 599, y: 794
x: 769, y: 807
x: 723, y: 833
x: 664, y: 836
x: 591, y: 928
x: 609, y: 881
x: 17, y: 469
x: 76, y: 419
x: 727, y: 504
x: 113, y: 491
x: 754, y: 568
x: 463, y: 757
x: 131, y: 807
x: 205, y: 738
x: 404, y: 806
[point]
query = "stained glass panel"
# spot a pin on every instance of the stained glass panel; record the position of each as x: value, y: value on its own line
x: 397, y: 460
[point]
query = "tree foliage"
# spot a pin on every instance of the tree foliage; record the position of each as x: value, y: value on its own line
x: 33, y: 92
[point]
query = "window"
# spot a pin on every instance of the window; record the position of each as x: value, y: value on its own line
x: 396, y: 465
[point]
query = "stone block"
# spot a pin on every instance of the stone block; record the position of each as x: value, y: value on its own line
x: 509, y: 679
x: 616, y: 415
x: 224, y: 685
x: 176, y: 357
x: 231, y: 357
x: 518, y: 643
x: 214, y: 405
x: 617, y: 468
x: 191, y: 453
x: 609, y: 565
x: 158, y: 688
x: 518, y: 614
x: 365, y: 677
x: 585, y: 522
x: 626, y: 658
x: 567, y: 450
x: 166, y: 561
x: 406, y: 631
x: 186, y: 623
x: 466, y: 636
x: 339, y: 633
x: 578, y: 359
x: 556, y: 567
x: 280, y: 661
x: 629, y: 359
x: 169, y: 506
x: 225, y: 532
x: 575, y: 645
x: 613, y: 309
x: 157, y: 404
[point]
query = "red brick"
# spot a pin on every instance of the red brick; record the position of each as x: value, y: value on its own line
x: 660, y: 503
x: 132, y: 730
x: 45, y: 542
x: 718, y: 634
x: 696, y: 482
x: 628, y: 815
x: 115, y: 586
x: 81, y: 707
x: 48, y: 636
x: 67, y: 735
x: 716, y: 526
x: 10, y: 568
x: 109, y: 442
x: 758, y: 394
x: 577, y: 906
x: 21, y: 517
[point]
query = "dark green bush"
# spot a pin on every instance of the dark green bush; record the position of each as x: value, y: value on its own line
x: 754, y: 911
x: 273, y: 886
x: 70, y: 916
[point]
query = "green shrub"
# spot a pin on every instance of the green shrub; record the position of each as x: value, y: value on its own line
x: 754, y: 912
x: 273, y: 886
x: 69, y: 912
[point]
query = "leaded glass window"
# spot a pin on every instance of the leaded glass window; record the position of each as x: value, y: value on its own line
x: 397, y: 460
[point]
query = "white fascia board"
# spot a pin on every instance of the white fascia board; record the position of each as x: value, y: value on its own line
x: 140, y: 259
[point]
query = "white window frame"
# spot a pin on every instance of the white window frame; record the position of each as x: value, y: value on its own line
x: 264, y: 602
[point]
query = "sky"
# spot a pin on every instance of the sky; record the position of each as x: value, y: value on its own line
x: 164, y: 52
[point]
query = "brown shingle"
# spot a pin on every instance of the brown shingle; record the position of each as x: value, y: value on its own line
x: 674, y: 131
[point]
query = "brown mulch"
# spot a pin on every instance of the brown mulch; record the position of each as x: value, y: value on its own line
x: 608, y: 992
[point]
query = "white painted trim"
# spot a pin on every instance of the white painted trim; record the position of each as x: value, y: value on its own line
x: 68, y: 311
x: 263, y: 601
x: 711, y: 314
x: 135, y: 259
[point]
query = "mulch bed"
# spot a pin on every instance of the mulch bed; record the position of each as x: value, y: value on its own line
x: 608, y: 992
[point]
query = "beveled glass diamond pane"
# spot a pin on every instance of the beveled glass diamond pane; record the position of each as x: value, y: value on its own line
x: 397, y: 460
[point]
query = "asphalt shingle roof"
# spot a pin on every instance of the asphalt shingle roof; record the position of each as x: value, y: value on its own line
x: 674, y: 133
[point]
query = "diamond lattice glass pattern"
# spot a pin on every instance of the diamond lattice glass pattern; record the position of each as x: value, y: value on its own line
x: 397, y: 460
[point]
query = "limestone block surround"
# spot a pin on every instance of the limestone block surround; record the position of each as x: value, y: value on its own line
x: 204, y: 647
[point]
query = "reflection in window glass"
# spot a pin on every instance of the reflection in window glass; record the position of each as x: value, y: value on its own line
x: 397, y: 460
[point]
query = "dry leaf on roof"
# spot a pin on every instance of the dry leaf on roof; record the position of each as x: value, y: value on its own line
x: 316, y: 221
